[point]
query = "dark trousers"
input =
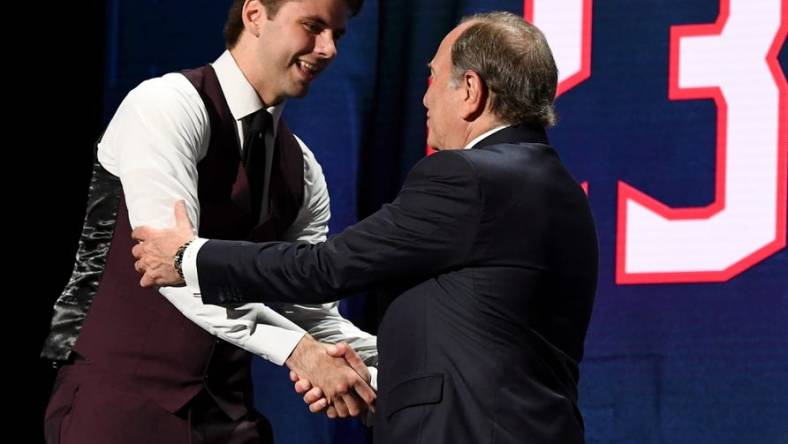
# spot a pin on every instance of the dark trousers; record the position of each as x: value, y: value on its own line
x: 84, y: 409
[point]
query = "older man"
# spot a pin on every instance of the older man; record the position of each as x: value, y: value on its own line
x: 490, y: 245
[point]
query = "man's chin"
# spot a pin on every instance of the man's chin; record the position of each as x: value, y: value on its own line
x: 299, y: 90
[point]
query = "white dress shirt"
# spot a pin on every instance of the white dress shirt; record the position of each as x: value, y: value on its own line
x: 153, y: 144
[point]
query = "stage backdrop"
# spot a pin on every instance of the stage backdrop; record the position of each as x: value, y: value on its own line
x: 674, y: 114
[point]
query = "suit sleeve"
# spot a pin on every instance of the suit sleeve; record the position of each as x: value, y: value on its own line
x: 428, y: 229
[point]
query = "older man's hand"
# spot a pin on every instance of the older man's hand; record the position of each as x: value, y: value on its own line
x: 155, y: 250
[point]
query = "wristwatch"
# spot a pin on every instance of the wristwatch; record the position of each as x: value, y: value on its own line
x: 178, y: 260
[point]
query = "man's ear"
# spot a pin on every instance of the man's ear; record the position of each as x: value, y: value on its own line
x: 253, y: 15
x: 475, y: 95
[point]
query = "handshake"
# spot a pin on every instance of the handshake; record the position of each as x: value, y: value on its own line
x: 332, y: 378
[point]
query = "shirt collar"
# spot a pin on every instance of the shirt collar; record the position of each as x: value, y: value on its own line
x: 484, y: 135
x: 242, y: 99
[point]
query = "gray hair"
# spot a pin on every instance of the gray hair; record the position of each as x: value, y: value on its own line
x: 513, y: 59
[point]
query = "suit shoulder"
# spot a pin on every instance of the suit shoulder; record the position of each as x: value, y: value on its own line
x: 446, y: 168
x: 533, y: 159
x: 447, y: 162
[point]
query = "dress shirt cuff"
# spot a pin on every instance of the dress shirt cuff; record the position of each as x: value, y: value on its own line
x: 369, y: 419
x: 273, y: 344
x: 373, y: 377
x: 189, y: 264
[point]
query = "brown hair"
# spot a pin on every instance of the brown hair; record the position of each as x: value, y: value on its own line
x: 235, y: 24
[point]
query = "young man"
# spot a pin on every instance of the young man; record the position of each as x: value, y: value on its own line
x: 137, y: 367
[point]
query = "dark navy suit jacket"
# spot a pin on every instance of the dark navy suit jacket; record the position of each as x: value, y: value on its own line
x: 493, y: 253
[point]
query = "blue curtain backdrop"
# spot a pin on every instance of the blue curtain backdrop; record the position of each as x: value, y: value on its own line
x: 665, y: 363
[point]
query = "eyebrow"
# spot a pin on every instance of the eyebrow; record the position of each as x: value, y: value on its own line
x: 338, y: 33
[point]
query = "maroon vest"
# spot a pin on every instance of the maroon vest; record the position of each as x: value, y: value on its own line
x: 135, y: 334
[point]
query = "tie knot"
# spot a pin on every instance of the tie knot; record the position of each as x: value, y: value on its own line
x: 259, y: 122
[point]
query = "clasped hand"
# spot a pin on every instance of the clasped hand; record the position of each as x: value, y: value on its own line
x: 332, y: 378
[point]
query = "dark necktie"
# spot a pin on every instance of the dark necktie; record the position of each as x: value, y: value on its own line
x: 256, y: 125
